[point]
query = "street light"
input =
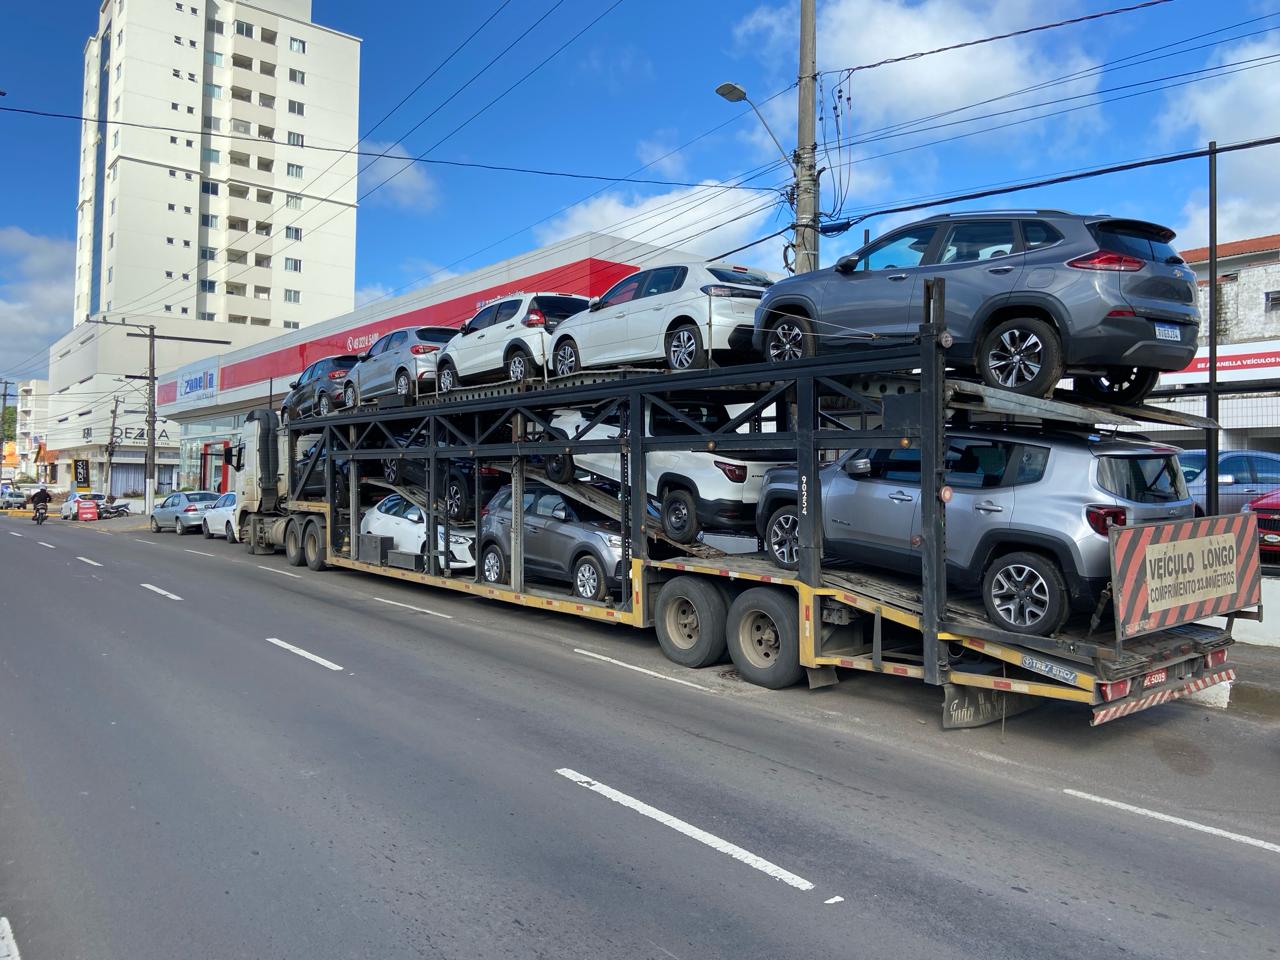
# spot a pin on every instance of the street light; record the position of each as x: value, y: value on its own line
x: 735, y: 94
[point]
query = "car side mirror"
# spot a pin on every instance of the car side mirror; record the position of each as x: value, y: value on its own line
x: 362, y: 357
x: 464, y: 329
x: 847, y: 263
x: 1226, y: 479
x: 560, y: 512
x: 857, y: 467
x: 594, y: 305
x: 293, y: 384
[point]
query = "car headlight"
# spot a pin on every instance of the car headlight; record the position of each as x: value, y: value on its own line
x: 613, y: 540
x: 458, y: 539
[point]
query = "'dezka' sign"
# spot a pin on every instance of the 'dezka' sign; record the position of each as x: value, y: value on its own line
x: 1164, y: 574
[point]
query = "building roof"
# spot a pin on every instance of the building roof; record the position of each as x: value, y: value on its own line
x: 1234, y: 248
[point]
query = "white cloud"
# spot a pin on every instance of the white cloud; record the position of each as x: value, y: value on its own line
x: 371, y: 292
x: 704, y: 220
x: 422, y: 271
x: 653, y: 152
x: 37, y: 292
x: 1237, y: 107
x: 411, y: 187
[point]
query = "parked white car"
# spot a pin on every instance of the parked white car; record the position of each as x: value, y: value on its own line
x: 694, y: 489
x: 403, y: 522
x: 220, y: 519
x: 68, y: 509
x: 673, y: 314
x: 507, y: 339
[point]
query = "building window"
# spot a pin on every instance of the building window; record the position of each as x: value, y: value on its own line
x: 297, y: 76
x: 206, y: 315
x: 191, y: 77
x: 241, y: 126
x: 115, y: 106
x: 266, y: 100
x: 208, y: 286
x: 168, y: 308
x: 213, y: 58
x: 294, y: 170
x: 295, y: 139
x: 216, y: 26
x: 244, y: 29
x: 213, y: 91
x: 292, y: 265
x: 186, y: 243
x: 266, y: 69
x: 177, y: 39
x: 209, y: 155
x: 293, y: 296
x: 208, y: 253
x: 169, y: 241
x: 168, y: 274
x: 209, y: 220
x: 113, y: 207
x: 1272, y: 300
x: 297, y: 46
x: 173, y: 106
x: 208, y: 189
x: 178, y: 7
x: 184, y: 311
x: 293, y: 233
x: 173, y: 141
x: 291, y: 324
x: 177, y: 74
x: 186, y: 276
x: 111, y: 274
x: 111, y: 241
x: 186, y: 209
x: 212, y: 123
x: 296, y: 108
x: 191, y: 110
x: 173, y: 207
x: 115, y: 138
x: 293, y: 201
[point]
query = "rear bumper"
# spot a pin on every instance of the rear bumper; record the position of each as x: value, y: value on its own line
x: 1149, y: 698
x: 190, y: 519
x: 726, y: 514
x: 1131, y: 341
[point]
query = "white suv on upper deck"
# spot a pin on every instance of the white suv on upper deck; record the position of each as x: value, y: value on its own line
x: 506, y: 339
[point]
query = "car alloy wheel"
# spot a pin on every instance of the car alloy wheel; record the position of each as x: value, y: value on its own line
x: 518, y: 367
x: 326, y: 405
x: 1123, y: 385
x: 402, y: 384
x: 786, y: 342
x: 446, y: 378
x: 1016, y: 358
x: 682, y: 347
x: 391, y: 471
x: 784, y: 539
x: 586, y: 581
x: 1020, y: 595
x: 349, y: 397
x: 566, y: 359
x: 492, y: 566
x: 454, y: 497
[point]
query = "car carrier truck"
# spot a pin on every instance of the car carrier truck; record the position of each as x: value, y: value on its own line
x: 304, y: 486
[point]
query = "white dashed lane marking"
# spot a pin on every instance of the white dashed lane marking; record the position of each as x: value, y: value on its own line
x: 92, y: 563
x: 164, y: 593
x: 304, y: 653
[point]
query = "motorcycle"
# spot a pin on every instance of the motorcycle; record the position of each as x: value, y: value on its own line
x: 110, y: 511
x: 41, y: 511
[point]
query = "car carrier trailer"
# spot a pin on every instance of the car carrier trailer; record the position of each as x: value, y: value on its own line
x: 304, y: 486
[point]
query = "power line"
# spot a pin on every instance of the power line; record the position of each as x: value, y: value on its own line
x: 1000, y: 36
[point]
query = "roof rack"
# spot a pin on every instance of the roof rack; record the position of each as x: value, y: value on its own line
x: 983, y: 213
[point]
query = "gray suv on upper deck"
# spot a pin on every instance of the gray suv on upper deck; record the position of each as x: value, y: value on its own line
x: 1027, y: 524
x: 1031, y: 296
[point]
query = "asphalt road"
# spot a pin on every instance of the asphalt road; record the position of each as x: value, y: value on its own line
x: 174, y: 785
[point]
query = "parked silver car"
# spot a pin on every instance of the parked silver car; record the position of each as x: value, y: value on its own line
x: 563, y: 542
x: 402, y: 362
x: 182, y: 512
x: 1243, y: 475
x: 1027, y: 524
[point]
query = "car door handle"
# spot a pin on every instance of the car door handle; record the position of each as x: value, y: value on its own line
x: 1251, y: 491
x: 511, y: 326
x: 897, y: 276
x: 901, y: 497
x: 999, y: 269
x: 988, y: 508
x: 479, y: 336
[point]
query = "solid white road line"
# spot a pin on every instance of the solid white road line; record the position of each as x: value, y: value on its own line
x: 407, y: 606
x: 283, y: 573
x: 49, y: 545
x: 1177, y: 821
x: 8, y: 945
x: 136, y: 540
x: 92, y: 563
x: 14, y: 533
x: 163, y: 593
x: 834, y: 900
x: 303, y: 653
x: 688, y: 829
x: 202, y: 553
x: 649, y: 673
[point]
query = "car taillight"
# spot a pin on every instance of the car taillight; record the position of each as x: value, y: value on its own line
x: 1108, y: 260
x: 484, y: 511
x: 489, y: 471
x: 1215, y: 658
x: 418, y: 349
x: 734, y: 471
x: 192, y: 509
x: 1122, y: 313
x: 1115, y: 689
x: 715, y: 290
x: 338, y: 374
x: 1102, y: 519
x: 534, y: 318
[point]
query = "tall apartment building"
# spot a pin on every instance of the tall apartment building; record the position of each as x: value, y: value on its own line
x: 223, y: 214
x: 31, y: 423
x: 201, y: 208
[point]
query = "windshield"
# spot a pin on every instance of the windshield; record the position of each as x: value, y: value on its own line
x: 436, y: 334
x: 202, y: 497
x: 1192, y: 465
x: 1135, y: 241
x: 559, y: 308
x: 1149, y: 479
x: 748, y: 278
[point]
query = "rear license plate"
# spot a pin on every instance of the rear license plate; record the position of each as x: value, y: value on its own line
x: 1155, y: 678
x: 1168, y: 331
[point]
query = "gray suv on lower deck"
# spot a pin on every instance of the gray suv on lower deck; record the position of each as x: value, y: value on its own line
x: 1027, y: 525
x: 1031, y: 296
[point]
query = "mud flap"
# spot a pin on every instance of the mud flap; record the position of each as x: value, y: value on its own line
x: 976, y: 707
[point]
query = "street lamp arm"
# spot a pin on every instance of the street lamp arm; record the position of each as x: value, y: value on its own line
x: 790, y: 162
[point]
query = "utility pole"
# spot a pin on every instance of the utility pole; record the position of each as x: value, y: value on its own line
x: 1211, y: 399
x: 111, y: 445
x: 149, y: 471
x: 4, y: 411
x: 806, y: 143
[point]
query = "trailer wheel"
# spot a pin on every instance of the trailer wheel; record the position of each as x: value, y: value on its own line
x: 313, y: 546
x: 679, y: 515
x: 763, y: 634
x: 690, y: 622
x: 293, y: 551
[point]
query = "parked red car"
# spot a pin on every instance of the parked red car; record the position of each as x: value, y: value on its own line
x: 1267, y: 510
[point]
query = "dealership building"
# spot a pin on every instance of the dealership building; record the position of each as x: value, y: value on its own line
x: 207, y: 401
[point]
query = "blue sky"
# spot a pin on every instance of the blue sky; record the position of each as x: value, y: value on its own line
x: 641, y: 82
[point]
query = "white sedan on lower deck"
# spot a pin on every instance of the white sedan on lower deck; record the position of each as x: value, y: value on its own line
x: 671, y: 314
x: 220, y: 519
x: 403, y: 522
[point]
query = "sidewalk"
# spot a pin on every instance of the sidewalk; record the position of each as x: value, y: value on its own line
x: 1257, y: 691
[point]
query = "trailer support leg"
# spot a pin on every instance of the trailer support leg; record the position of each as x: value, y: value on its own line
x: 933, y: 526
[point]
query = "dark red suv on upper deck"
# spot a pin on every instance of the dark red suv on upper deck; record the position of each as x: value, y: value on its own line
x: 1267, y: 510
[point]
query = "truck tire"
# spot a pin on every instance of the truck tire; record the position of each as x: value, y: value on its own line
x: 690, y: 622
x: 679, y: 515
x: 313, y: 546
x: 763, y: 636
x: 293, y: 551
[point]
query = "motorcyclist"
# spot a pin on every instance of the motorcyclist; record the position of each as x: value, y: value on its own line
x: 40, y: 498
